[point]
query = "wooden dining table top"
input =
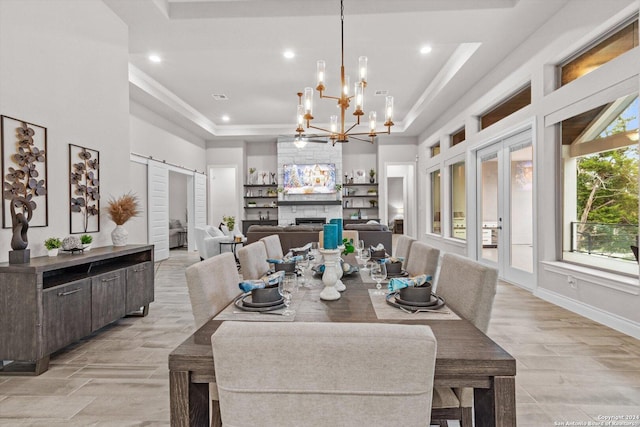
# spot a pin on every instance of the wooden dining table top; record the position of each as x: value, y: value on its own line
x: 463, y: 351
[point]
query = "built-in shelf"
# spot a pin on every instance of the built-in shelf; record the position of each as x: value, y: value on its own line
x: 308, y: 202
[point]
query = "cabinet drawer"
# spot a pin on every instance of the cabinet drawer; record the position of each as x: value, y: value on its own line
x: 107, y: 298
x: 67, y: 314
x: 139, y: 289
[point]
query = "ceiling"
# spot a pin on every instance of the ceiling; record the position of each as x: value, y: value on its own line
x: 235, y: 48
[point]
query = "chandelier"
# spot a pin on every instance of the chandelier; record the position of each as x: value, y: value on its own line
x: 338, y: 131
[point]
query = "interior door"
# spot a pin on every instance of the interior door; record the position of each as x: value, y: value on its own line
x: 505, y: 208
x: 158, y: 208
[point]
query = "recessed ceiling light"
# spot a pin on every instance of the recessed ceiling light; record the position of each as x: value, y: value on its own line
x: 289, y: 54
x: 425, y: 49
x: 225, y: 118
x: 155, y: 58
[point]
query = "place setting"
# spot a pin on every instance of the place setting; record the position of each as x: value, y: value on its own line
x: 409, y: 298
x: 274, y: 296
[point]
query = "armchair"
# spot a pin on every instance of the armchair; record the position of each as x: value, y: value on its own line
x: 208, y: 241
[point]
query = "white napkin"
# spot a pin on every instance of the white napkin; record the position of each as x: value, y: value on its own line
x: 380, y: 247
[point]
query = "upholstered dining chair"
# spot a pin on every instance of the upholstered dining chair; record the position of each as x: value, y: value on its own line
x: 469, y: 289
x: 273, y: 246
x: 324, y: 374
x: 423, y: 259
x: 212, y: 284
x: 403, y: 248
x: 253, y: 260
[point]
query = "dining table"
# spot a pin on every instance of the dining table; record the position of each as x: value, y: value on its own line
x: 466, y: 357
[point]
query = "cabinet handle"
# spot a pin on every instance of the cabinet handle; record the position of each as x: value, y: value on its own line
x: 139, y: 269
x: 109, y: 280
x: 64, y: 294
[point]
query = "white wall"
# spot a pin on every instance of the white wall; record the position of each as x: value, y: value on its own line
x: 608, y: 298
x: 229, y: 154
x: 69, y: 75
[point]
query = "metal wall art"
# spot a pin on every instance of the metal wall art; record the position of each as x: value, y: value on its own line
x: 24, y: 170
x: 84, y: 182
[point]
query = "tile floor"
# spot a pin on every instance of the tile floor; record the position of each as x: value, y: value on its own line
x: 570, y: 369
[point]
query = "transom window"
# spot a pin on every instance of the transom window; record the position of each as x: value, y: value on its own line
x: 621, y: 40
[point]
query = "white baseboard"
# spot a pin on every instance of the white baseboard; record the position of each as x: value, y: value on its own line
x: 613, y: 321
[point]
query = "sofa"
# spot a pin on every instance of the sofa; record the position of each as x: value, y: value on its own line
x: 208, y: 241
x: 176, y: 234
x: 295, y: 236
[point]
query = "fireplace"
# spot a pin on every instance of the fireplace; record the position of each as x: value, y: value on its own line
x: 317, y: 220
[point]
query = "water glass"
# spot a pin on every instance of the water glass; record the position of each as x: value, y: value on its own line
x: 303, y: 265
x: 287, y: 287
x: 363, y: 258
x: 378, y: 272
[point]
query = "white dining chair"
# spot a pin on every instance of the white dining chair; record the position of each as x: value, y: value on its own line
x: 423, y: 259
x: 212, y: 284
x: 402, y: 248
x: 324, y: 374
x: 273, y: 246
x: 253, y: 261
x: 468, y: 288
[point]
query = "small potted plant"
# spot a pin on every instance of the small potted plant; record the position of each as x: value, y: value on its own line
x: 252, y: 176
x: 86, y: 240
x: 53, y: 244
x: 230, y: 222
x: 372, y: 174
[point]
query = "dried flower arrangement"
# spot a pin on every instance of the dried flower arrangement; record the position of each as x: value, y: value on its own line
x: 124, y: 208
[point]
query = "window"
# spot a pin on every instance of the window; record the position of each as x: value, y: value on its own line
x: 600, y: 172
x: 509, y: 106
x: 435, y: 150
x: 457, y: 137
x: 620, y: 41
x: 435, y: 202
x: 458, y: 202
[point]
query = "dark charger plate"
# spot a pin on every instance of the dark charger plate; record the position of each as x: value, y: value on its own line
x: 247, y: 301
x: 402, y: 273
x: 394, y: 300
x: 240, y: 304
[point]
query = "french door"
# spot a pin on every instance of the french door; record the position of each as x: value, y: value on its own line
x: 505, y: 211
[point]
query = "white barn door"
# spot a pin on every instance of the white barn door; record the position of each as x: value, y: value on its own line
x: 200, y: 200
x: 158, y: 208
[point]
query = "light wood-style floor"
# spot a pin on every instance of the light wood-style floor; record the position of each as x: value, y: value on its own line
x: 569, y: 368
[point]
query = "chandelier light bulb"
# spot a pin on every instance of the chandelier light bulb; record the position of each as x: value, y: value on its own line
x: 359, y: 96
x: 362, y: 67
x: 372, y: 121
x: 388, y: 110
x: 300, y: 116
x: 345, y: 89
x: 321, y: 74
x: 308, y: 100
x: 333, y: 124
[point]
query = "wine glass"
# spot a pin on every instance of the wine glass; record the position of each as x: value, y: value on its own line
x: 378, y: 272
x: 359, y: 246
x: 287, y: 287
x: 364, y: 257
x: 303, y: 265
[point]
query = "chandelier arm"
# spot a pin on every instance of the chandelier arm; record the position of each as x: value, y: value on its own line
x: 319, y: 128
x: 363, y: 133
x: 330, y: 97
x: 352, y: 126
x: 362, y: 139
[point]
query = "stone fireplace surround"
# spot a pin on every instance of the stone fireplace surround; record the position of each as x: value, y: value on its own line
x: 309, y: 154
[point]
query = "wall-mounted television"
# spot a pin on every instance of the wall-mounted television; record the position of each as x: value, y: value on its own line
x: 317, y: 178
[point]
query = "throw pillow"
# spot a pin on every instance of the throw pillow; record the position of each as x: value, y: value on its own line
x: 214, y: 232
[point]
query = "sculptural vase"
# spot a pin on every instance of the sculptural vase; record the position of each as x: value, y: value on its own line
x: 119, y: 236
x: 330, y: 275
